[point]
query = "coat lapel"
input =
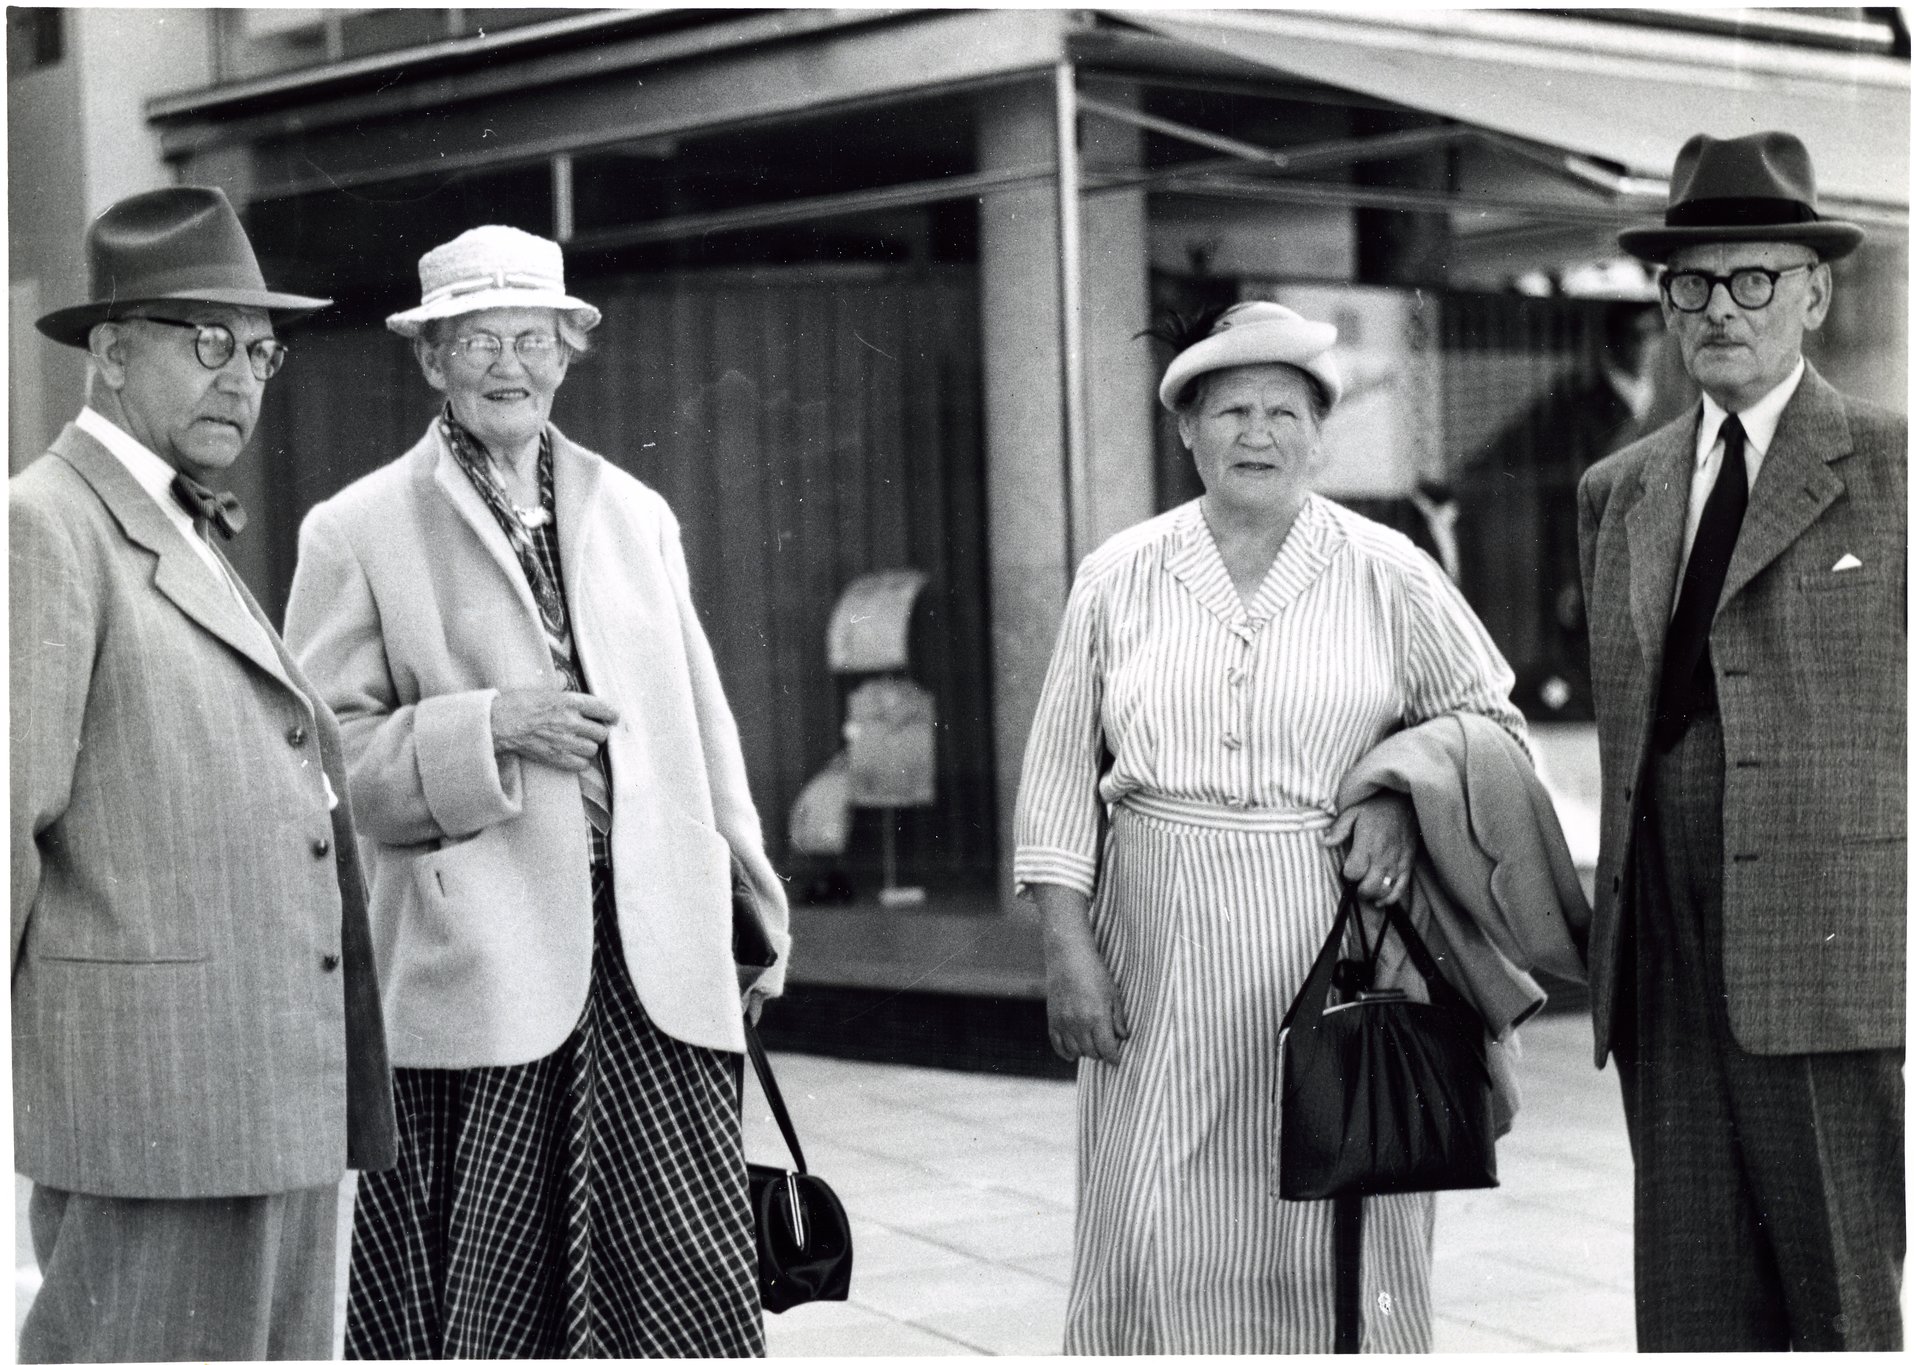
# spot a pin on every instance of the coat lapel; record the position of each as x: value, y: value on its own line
x: 575, y: 476
x: 441, y: 467
x: 1655, y: 524
x: 180, y: 574
x: 1796, y: 486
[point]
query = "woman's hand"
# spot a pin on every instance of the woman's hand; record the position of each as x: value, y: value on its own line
x: 1381, y: 833
x: 560, y: 729
x: 1086, y: 1013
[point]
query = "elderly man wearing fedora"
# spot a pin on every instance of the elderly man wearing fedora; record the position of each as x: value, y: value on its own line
x: 1746, y: 571
x: 198, y: 1053
x: 552, y: 798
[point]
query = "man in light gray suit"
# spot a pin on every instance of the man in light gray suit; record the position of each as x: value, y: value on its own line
x: 1746, y: 574
x: 197, y: 1047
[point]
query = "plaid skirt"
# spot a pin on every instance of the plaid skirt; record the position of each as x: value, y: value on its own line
x: 590, y: 1204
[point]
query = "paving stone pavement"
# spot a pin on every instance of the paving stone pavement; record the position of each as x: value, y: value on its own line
x: 960, y: 1192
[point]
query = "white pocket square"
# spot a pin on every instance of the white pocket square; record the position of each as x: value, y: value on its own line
x: 1844, y: 563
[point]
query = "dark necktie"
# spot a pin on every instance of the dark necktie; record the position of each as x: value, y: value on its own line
x: 203, y: 505
x: 1687, y: 672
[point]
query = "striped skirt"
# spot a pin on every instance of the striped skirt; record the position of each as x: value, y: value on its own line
x: 1209, y: 921
x: 589, y: 1204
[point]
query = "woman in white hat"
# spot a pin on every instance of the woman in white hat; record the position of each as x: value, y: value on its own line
x: 553, y: 808
x: 1220, y: 668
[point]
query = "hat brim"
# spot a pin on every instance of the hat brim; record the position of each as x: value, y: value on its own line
x: 1832, y: 240
x: 71, y: 326
x: 1297, y: 341
x: 412, y: 321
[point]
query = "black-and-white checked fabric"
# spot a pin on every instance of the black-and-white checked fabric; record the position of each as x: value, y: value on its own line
x: 471, y: 1247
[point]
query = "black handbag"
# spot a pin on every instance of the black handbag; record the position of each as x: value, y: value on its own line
x: 804, y: 1237
x: 1382, y: 1094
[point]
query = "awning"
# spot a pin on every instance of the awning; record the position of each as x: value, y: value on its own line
x: 1620, y: 93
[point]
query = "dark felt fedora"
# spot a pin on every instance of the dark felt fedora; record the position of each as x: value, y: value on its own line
x: 1758, y: 188
x: 181, y: 244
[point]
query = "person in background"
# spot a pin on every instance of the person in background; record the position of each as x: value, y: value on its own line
x: 552, y: 797
x: 198, y: 1054
x: 1746, y: 574
x: 1219, y: 670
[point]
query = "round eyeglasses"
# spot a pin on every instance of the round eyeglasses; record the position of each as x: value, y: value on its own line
x: 215, y: 346
x: 1751, y: 286
x: 484, y: 349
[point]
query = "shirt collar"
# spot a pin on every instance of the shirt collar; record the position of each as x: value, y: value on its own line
x: 1758, y: 421
x: 148, y: 470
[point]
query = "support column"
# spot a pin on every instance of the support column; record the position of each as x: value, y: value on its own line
x: 1122, y: 373
x: 1021, y: 335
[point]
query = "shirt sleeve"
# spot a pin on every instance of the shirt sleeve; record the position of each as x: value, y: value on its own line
x: 1452, y: 666
x: 1059, y: 810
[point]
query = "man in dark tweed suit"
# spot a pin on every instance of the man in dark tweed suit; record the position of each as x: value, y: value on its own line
x: 1746, y: 570
x: 197, y: 1045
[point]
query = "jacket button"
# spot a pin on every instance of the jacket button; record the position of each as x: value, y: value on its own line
x: 321, y: 847
x: 329, y: 963
x: 296, y: 736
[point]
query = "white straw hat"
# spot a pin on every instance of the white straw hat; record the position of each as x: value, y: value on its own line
x: 1257, y: 333
x: 491, y: 267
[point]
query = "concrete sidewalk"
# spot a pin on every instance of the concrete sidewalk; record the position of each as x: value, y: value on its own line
x: 960, y: 1191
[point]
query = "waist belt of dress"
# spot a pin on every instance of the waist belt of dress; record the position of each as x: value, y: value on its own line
x: 1209, y: 815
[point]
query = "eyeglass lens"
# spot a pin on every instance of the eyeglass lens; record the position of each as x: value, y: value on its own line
x: 485, y: 348
x: 215, y: 344
x: 1751, y: 287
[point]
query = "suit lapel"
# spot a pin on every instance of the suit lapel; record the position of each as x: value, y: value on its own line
x: 1655, y: 524
x: 1796, y: 486
x: 180, y: 575
x: 442, y: 468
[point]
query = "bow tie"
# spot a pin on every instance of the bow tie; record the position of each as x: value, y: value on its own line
x: 204, y: 505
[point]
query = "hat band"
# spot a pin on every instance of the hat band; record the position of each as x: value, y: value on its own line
x: 1750, y: 212
x: 498, y: 279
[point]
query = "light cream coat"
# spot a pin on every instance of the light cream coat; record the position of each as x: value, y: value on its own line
x: 410, y: 612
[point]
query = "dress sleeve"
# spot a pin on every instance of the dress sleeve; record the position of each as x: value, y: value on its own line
x: 1452, y: 666
x: 1059, y: 811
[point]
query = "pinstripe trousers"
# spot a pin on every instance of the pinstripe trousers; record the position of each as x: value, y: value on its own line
x: 246, y: 1278
x: 1769, y: 1207
x: 1209, y: 922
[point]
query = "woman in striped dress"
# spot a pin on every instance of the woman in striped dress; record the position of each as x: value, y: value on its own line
x: 552, y: 806
x: 1219, y: 669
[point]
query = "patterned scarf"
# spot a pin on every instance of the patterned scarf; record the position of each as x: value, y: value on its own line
x: 541, y: 575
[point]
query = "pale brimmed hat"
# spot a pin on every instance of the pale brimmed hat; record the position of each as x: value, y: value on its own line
x: 182, y: 244
x: 1257, y: 333
x: 1758, y: 188
x: 491, y: 267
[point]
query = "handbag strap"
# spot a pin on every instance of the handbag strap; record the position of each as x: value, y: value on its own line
x: 1439, y: 985
x: 773, y: 1096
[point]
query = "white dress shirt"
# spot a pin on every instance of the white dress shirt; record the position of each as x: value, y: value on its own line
x: 1759, y: 422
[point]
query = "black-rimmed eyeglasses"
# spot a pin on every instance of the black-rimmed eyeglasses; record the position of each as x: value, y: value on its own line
x: 1751, y: 286
x: 215, y: 346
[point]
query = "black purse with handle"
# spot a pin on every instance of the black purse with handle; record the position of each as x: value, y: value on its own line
x: 804, y: 1237
x: 1382, y: 1094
